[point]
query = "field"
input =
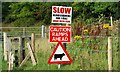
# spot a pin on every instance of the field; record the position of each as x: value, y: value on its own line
x: 84, y: 57
x: 0, y: 55
x: 3, y: 64
x: 88, y: 51
x: 27, y: 26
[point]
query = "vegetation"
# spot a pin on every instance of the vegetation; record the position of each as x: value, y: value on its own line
x: 85, y: 57
x: 87, y: 53
x: 30, y: 13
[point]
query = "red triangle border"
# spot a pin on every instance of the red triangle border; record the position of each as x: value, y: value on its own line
x: 60, y: 62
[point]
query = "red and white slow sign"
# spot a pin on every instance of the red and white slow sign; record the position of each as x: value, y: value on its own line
x: 60, y: 33
x: 61, y: 14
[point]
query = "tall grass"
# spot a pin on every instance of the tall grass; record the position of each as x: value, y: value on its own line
x: 93, y: 58
x: 84, y: 57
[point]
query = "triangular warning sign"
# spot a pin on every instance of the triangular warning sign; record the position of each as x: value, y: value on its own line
x: 59, y: 55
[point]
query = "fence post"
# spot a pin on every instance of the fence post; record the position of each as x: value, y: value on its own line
x: 33, y: 41
x: 45, y: 32
x: 21, y: 48
x: 11, y: 59
x: 111, y: 22
x: 9, y: 67
x: 64, y: 44
x: 119, y: 44
x: 5, y: 46
x: 23, y: 31
x: 42, y: 31
x: 31, y: 54
x: 58, y: 66
x: 109, y: 54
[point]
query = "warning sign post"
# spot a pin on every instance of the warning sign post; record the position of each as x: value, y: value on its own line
x: 60, y: 33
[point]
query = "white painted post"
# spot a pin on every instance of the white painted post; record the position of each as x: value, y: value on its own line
x: 111, y: 21
x: 5, y: 46
x: 109, y: 54
x: 42, y: 31
x: 58, y: 66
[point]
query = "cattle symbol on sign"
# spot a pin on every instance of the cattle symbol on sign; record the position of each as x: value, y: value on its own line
x: 59, y: 55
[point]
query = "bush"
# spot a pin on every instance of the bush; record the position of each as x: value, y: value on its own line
x: 23, y: 22
x: 77, y: 27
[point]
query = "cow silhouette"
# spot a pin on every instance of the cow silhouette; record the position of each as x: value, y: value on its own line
x: 59, y: 56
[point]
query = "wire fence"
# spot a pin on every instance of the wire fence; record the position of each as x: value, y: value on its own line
x: 22, y: 31
x: 90, y: 52
x: 93, y: 55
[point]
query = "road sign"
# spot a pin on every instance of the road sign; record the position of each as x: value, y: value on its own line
x: 59, y: 55
x: 59, y: 33
x: 61, y: 14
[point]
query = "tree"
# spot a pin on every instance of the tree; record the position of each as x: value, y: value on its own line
x: 88, y: 12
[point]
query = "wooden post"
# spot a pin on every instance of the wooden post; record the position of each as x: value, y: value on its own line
x: 26, y: 58
x: 9, y: 67
x: 11, y: 59
x: 8, y: 48
x: 64, y: 44
x: 31, y: 54
x: 45, y: 32
x: 16, y: 58
x: 109, y: 54
x: 21, y: 48
x: 5, y: 46
x: 33, y: 42
x: 23, y: 31
x: 119, y: 44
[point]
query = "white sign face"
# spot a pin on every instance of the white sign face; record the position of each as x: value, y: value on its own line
x: 61, y: 14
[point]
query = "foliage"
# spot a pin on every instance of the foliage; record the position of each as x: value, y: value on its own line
x: 84, y: 57
x: 87, y: 53
x: 77, y: 27
x: 91, y: 55
x: 88, y: 12
x: 23, y: 22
